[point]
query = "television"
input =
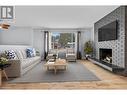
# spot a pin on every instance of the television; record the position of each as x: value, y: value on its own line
x: 108, y: 32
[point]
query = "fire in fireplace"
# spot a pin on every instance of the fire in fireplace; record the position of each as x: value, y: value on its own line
x: 105, y: 55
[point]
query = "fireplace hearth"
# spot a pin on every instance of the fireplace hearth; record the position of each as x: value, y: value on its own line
x: 105, y: 60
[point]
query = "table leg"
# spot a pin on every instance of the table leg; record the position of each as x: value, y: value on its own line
x: 65, y: 67
x: 5, y: 74
x: 0, y: 77
x: 47, y: 68
x: 55, y: 69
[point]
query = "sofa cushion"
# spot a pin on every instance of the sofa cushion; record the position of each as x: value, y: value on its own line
x: 70, y: 54
x: 27, y: 62
x: 19, y: 54
x: 52, y: 51
x: 24, y: 54
x: 11, y: 54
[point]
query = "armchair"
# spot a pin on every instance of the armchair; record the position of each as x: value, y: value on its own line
x: 51, y: 54
x: 70, y: 55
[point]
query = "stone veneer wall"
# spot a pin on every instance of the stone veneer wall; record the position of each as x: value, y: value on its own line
x: 117, y: 46
x: 126, y: 39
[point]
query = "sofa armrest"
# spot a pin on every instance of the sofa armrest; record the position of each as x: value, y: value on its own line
x: 14, y: 70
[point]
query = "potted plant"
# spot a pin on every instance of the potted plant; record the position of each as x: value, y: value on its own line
x: 88, y: 49
x: 3, y: 60
x: 37, y: 53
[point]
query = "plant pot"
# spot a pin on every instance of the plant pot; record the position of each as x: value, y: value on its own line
x: 87, y: 56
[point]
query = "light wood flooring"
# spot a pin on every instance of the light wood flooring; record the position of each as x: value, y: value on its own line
x: 108, y: 81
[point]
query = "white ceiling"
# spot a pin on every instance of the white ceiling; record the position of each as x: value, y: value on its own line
x: 60, y: 16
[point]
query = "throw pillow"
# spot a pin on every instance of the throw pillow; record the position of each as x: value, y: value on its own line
x: 34, y: 52
x: 30, y: 52
x: 11, y: 54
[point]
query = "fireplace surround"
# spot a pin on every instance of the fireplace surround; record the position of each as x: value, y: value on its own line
x: 116, y: 49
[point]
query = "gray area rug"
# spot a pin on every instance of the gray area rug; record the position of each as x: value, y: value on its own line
x: 74, y: 73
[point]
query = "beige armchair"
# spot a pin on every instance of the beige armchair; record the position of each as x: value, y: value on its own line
x: 51, y: 53
x: 70, y: 55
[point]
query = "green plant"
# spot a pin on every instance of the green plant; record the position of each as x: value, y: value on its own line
x: 3, y: 60
x: 88, y: 49
x: 37, y: 53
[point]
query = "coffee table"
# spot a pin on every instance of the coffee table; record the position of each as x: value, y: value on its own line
x: 58, y: 64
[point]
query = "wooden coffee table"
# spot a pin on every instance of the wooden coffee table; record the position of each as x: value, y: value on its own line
x: 58, y: 64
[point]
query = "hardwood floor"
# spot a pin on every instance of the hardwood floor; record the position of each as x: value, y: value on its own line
x: 108, y: 81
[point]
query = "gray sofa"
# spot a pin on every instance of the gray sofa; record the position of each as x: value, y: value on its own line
x: 21, y: 64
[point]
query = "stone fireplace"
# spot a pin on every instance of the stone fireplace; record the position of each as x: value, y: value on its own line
x: 112, y: 53
x: 105, y: 55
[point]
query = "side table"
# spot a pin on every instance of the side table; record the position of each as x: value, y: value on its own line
x: 2, y: 71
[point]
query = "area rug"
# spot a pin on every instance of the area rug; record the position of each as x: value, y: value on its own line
x: 76, y: 72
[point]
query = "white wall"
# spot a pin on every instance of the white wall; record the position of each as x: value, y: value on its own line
x: 23, y: 36
x: 16, y: 36
x: 35, y: 37
x: 38, y: 40
x: 86, y: 35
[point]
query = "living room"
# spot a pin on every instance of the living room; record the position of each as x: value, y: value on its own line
x: 31, y: 28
